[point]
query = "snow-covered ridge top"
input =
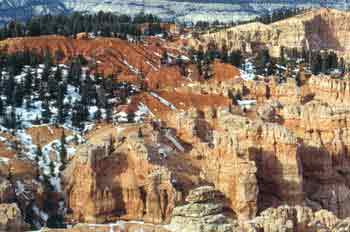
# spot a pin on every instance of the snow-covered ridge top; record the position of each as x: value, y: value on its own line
x: 190, y: 10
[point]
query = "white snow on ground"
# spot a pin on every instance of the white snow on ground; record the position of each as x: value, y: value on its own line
x: 163, y: 101
x: 19, y: 188
x: 141, y: 112
x: 145, y: 109
x: 248, y: 71
x: 132, y: 68
x: 4, y: 160
x: 139, y: 115
x: 246, y: 103
x: 29, y: 148
x: 72, y: 95
x: 174, y: 141
x: 152, y: 66
x: 281, y: 67
x: 40, y: 213
x: 121, y: 117
x: 20, y: 191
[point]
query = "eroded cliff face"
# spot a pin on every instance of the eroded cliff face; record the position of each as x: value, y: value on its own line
x: 206, y: 210
x: 11, y: 218
x: 107, y: 182
x: 316, y: 29
x: 20, y: 192
x: 208, y: 214
x: 254, y: 164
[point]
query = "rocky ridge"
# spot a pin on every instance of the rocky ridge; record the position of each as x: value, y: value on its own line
x: 316, y: 29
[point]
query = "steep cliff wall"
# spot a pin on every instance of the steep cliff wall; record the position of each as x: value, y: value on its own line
x: 316, y: 29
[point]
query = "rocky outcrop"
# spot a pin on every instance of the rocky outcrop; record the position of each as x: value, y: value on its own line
x: 102, y: 185
x: 324, y: 152
x: 332, y: 91
x: 20, y: 185
x: 114, y: 55
x: 315, y: 29
x: 204, y: 212
x: 11, y: 218
x: 7, y: 193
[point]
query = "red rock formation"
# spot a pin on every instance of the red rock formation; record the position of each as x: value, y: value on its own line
x: 102, y: 186
x: 108, y: 54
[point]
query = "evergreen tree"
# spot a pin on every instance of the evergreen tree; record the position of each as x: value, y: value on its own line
x: 47, y: 183
x: 200, y: 68
x: 224, y: 54
x: 61, y: 116
x: 9, y: 88
x: 52, y: 87
x: 63, y: 150
x: 341, y: 66
x: 111, y: 144
x: 316, y: 64
x: 109, y: 114
x: 11, y: 119
x: 140, y: 134
x: 324, y: 63
x: 282, y: 59
x: 46, y: 114
x: 98, y: 115
x: 28, y: 82
x: 52, y: 168
x: 39, y: 153
x: 46, y: 72
x: 235, y: 58
x: 262, y: 61
x: 165, y: 57
x: 18, y: 95
x: 1, y: 107
x: 58, y: 74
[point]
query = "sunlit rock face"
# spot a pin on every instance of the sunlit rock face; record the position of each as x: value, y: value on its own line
x: 317, y: 29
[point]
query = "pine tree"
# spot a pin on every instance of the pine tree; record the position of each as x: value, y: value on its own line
x: 200, y: 68
x: 60, y: 105
x: 98, y: 115
x: 28, y: 82
x: 58, y: 74
x: 164, y: 58
x: 324, y: 63
x: 111, y: 145
x: 63, y: 150
x: 341, y: 66
x: 9, y: 88
x: 1, y: 107
x: 47, y: 183
x: 316, y: 63
x: 18, y: 95
x: 52, y: 168
x: 109, y: 114
x: 224, y: 54
x: 39, y: 153
x: 52, y: 87
x: 76, y: 140
x: 46, y: 114
x: 282, y: 59
x: 235, y: 58
x: 46, y: 72
x: 11, y: 119
x: 140, y: 134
